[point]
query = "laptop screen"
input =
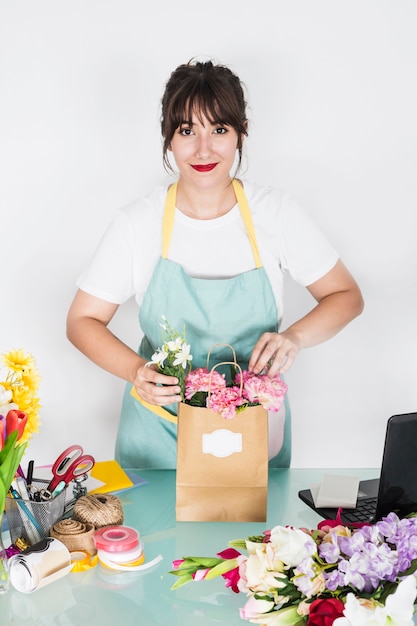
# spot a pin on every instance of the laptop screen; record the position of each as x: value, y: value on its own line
x: 398, y: 480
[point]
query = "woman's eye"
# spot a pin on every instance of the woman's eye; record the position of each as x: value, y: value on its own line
x: 185, y: 131
x: 220, y: 131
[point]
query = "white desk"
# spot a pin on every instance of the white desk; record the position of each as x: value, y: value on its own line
x: 100, y: 597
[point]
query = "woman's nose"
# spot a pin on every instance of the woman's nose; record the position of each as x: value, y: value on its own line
x: 203, y: 148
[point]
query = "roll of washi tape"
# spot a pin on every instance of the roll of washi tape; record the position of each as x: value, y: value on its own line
x: 116, y: 538
x: 105, y: 561
x: 82, y: 561
x: 126, y: 556
x: 135, y: 563
x: 129, y: 568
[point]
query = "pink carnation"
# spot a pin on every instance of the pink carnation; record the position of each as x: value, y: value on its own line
x: 264, y: 390
x: 199, y: 380
x: 225, y: 401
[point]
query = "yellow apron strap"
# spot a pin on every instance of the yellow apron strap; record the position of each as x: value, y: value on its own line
x: 158, y: 410
x: 169, y: 214
x: 247, y: 220
x: 168, y: 219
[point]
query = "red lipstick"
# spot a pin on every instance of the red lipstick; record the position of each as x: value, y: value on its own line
x: 204, y: 168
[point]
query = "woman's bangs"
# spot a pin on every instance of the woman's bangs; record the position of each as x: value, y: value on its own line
x: 203, y: 106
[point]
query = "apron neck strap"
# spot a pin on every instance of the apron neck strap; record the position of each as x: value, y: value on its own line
x: 169, y: 214
x: 168, y: 219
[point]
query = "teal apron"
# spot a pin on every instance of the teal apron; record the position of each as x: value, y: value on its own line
x: 234, y: 310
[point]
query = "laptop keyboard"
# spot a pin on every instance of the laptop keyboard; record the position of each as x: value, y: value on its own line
x: 364, y: 511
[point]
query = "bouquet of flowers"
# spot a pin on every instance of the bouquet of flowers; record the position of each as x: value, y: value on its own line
x: 208, y: 388
x: 19, y: 406
x: 333, y: 576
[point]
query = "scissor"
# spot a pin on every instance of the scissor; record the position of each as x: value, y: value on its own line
x: 71, y: 463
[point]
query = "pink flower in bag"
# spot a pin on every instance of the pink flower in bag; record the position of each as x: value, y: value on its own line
x: 225, y: 401
x: 200, y: 379
x: 264, y: 390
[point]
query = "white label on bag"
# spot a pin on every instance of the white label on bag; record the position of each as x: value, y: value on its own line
x: 222, y: 443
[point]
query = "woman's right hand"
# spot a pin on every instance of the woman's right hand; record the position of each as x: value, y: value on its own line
x: 87, y: 329
x: 156, y: 388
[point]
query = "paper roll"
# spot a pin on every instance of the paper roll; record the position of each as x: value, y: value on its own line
x: 39, y: 565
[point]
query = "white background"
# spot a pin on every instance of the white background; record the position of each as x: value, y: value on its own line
x: 333, y: 101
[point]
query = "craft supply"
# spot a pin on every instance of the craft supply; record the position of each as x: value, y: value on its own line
x: 82, y: 561
x: 36, y: 528
x: 116, y: 539
x: 111, y: 563
x: 113, y: 477
x: 60, y: 487
x: 78, y: 489
x: 21, y: 544
x: 29, y: 474
x: 75, y: 535
x: 101, y: 509
x: 11, y: 550
x: 31, y: 519
x: 71, y: 463
x: 22, y: 488
x: 104, y: 560
x: 127, y: 556
x: 39, y: 565
x: 119, y: 548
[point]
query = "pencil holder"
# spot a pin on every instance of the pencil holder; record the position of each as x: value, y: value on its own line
x: 31, y: 520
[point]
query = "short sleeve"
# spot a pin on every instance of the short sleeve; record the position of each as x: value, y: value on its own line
x: 305, y: 252
x: 109, y: 274
x: 122, y: 264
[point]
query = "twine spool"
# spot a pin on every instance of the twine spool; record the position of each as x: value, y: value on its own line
x: 74, y: 535
x: 98, y: 509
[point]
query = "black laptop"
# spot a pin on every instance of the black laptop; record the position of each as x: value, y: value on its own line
x: 395, y: 489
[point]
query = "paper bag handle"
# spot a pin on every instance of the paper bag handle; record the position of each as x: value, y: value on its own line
x: 215, y: 345
x: 226, y: 363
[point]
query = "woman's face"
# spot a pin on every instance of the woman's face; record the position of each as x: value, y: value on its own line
x: 204, y: 152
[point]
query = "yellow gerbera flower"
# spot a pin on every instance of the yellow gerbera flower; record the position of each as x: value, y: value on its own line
x: 7, y: 385
x: 31, y: 379
x: 18, y: 360
x: 22, y: 397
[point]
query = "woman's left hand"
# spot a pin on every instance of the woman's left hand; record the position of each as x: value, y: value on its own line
x: 338, y: 299
x: 275, y: 352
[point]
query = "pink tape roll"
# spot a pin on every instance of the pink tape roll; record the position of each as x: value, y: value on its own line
x: 116, y: 538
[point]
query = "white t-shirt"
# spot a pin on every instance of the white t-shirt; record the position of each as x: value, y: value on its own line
x: 288, y: 241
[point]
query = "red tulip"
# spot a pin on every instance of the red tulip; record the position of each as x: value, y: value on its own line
x: 2, y: 431
x: 16, y: 420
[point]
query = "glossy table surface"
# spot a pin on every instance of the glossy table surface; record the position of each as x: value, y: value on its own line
x: 104, y: 597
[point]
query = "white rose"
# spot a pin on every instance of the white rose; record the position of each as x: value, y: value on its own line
x: 292, y: 545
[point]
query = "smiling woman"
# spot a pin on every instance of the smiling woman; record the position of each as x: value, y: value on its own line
x: 201, y: 147
x: 226, y: 245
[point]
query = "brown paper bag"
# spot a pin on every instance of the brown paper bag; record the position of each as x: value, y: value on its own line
x: 222, y: 465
